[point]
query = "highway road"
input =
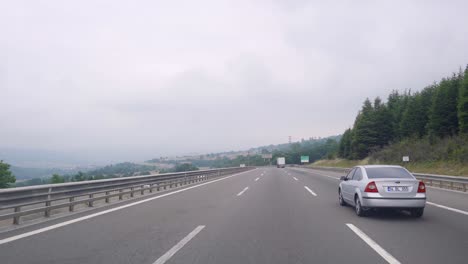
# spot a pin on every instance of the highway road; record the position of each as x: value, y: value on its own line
x: 266, y: 215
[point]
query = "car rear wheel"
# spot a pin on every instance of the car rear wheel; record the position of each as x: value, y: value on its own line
x: 340, y: 198
x: 418, y: 212
x: 358, y: 207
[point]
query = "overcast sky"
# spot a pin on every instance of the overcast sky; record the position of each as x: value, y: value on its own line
x: 138, y: 79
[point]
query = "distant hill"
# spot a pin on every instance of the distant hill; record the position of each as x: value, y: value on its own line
x: 22, y: 173
x: 315, y: 148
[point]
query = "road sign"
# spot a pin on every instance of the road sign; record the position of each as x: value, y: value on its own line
x: 267, y: 156
x: 304, y: 159
x: 405, y: 158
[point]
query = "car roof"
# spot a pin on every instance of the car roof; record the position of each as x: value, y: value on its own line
x: 379, y: 166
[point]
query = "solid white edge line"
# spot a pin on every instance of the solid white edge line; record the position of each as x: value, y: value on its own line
x: 312, y: 192
x: 41, y: 230
x: 245, y: 189
x: 295, y: 178
x: 447, y: 208
x: 382, y: 252
x: 257, y: 179
x: 178, y: 246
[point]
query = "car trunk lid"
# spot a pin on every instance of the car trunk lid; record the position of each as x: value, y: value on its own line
x: 397, y: 188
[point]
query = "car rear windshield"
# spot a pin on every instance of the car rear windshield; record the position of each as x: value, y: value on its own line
x: 379, y: 173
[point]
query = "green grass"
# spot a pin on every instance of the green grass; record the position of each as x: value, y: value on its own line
x: 438, y: 167
x: 339, y: 163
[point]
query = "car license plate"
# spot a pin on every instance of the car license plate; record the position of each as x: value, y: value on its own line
x: 397, y: 188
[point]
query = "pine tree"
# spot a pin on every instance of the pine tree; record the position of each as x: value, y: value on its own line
x: 443, y: 118
x: 365, y: 134
x: 427, y: 96
x: 412, y: 122
x: 393, y: 104
x: 344, y: 149
x: 397, y: 104
x: 463, y: 103
x: 382, y: 123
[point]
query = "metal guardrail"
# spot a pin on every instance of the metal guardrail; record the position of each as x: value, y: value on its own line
x: 25, y: 201
x: 442, y: 181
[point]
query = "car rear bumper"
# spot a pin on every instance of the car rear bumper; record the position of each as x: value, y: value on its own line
x: 394, y: 202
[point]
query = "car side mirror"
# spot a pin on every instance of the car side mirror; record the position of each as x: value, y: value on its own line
x: 343, y: 178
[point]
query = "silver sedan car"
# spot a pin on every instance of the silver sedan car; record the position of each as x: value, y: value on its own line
x: 381, y: 186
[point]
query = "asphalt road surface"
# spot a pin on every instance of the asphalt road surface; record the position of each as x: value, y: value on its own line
x: 266, y: 215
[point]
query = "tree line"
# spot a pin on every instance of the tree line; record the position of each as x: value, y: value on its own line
x: 124, y: 169
x: 6, y: 177
x: 438, y: 111
x: 225, y: 162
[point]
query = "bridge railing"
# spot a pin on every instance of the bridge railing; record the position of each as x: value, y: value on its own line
x: 458, y: 183
x: 16, y: 203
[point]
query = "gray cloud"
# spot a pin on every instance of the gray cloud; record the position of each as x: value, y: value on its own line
x: 146, y: 78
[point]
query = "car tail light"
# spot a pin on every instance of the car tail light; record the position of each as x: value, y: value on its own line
x: 371, y: 187
x: 421, y: 187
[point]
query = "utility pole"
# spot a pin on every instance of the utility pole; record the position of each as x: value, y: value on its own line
x: 290, y: 140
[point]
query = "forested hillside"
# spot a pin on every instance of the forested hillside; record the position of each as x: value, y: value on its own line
x: 317, y: 149
x: 429, y: 125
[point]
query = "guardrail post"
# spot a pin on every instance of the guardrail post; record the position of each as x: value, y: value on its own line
x: 16, y: 219
x: 91, y: 203
x: 120, y: 195
x: 157, y: 187
x: 47, y: 210
x: 464, y: 187
x: 71, y: 207
x: 142, y: 190
x: 165, y: 185
x: 107, y: 198
x: 451, y: 185
x: 131, y: 191
x: 151, y: 188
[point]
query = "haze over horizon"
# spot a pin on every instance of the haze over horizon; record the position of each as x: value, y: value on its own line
x: 116, y: 80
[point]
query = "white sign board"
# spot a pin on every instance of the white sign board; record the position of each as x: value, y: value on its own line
x: 405, y: 158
